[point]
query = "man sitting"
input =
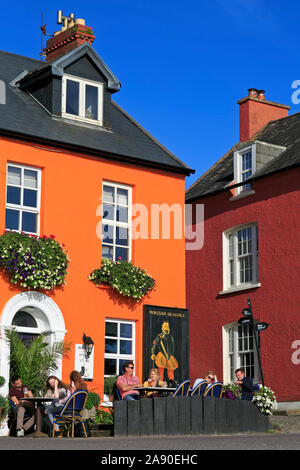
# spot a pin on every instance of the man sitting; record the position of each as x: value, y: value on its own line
x: 127, y: 382
x: 17, y: 396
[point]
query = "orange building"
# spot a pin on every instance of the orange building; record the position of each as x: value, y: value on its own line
x: 69, y: 154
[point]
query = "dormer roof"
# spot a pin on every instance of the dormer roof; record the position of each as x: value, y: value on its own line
x: 32, y: 106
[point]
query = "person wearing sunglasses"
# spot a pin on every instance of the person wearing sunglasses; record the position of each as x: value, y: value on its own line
x: 210, y: 378
x: 127, y: 382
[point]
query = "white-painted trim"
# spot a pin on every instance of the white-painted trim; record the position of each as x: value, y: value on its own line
x: 21, y: 207
x: 48, y: 317
x: 82, y: 82
x: 227, y: 287
x: 237, y: 166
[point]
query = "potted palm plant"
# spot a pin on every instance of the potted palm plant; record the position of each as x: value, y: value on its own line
x: 4, y: 407
x: 109, y: 387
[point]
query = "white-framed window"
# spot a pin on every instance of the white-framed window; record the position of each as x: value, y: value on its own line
x: 119, y: 345
x: 244, y: 167
x: 23, y: 198
x: 239, y: 351
x: 116, y: 221
x: 240, y: 257
x: 82, y: 99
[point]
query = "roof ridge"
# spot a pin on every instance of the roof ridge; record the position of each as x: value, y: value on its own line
x: 212, y: 167
x: 23, y: 56
x: 140, y: 127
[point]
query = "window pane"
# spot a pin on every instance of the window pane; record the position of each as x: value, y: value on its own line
x: 107, y: 252
x: 108, y: 194
x: 30, y: 178
x: 110, y: 367
x: 122, y: 197
x: 111, y: 329
x: 12, y: 219
x: 14, y: 175
x: 122, y: 214
x: 125, y: 347
x: 29, y: 222
x: 91, y: 102
x: 125, y: 330
x: 121, y: 253
x: 13, y: 195
x: 108, y: 211
x: 122, y: 236
x: 108, y: 233
x: 72, y: 98
x: 30, y: 198
x: 24, y: 319
x: 111, y: 346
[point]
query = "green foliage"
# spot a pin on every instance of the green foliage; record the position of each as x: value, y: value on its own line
x: 109, y: 384
x: 232, y: 388
x: 2, y: 380
x: 34, y: 363
x: 4, y: 405
x: 93, y: 399
x: 127, y: 279
x: 104, y: 416
x: 37, y: 263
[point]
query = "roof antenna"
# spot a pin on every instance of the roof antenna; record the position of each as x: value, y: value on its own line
x: 43, y: 32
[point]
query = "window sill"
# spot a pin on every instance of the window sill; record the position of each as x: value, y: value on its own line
x: 240, y: 288
x: 242, y: 194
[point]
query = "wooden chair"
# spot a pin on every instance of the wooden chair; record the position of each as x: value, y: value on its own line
x: 199, y: 389
x: 182, y: 390
x: 72, y: 412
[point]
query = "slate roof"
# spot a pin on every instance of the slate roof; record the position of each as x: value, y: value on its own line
x: 284, y: 132
x: 21, y: 116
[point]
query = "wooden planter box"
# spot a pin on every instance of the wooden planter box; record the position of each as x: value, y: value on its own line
x: 187, y: 415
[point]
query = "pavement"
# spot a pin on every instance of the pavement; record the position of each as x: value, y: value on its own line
x: 288, y: 423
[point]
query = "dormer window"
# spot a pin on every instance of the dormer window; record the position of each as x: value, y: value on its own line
x: 82, y: 100
x: 244, y: 167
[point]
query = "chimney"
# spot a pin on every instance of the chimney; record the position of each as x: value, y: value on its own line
x: 72, y: 34
x: 256, y: 112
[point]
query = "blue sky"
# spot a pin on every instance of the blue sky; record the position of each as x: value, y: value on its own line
x: 182, y: 65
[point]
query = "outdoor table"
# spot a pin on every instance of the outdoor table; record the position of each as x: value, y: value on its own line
x: 38, y: 401
x: 160, y: 390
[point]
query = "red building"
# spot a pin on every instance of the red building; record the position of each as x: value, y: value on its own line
x: 251, y: 199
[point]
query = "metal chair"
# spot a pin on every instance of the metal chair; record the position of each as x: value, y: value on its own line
x: 199, y: 389
x: 72, y: 412
x: 182, y: 390
x: 14, y: 418
x: 118, y: 394
x: 214, y: 390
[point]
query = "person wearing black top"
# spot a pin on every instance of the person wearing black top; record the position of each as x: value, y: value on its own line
x: 246, y: 384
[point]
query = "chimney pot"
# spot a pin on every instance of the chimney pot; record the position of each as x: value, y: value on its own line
x: 252, y: 92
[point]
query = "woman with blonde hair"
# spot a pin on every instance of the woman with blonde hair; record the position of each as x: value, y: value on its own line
x: 154, y: 380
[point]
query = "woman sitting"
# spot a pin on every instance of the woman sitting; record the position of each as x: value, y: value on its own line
x: 154, y: 381
x: 56, y: 406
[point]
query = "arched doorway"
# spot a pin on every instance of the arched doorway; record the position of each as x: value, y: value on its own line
x: 30, y: 313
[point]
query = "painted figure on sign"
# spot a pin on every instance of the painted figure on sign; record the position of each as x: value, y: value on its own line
x: 162, y: 352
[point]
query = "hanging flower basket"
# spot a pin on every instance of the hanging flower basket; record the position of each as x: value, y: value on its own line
x: 33, y: 262
x: 124, y: 277
x: 265, y: 400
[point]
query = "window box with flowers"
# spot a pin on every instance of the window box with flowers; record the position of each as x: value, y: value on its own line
x: 127, y: 279
x: 33, y: 262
